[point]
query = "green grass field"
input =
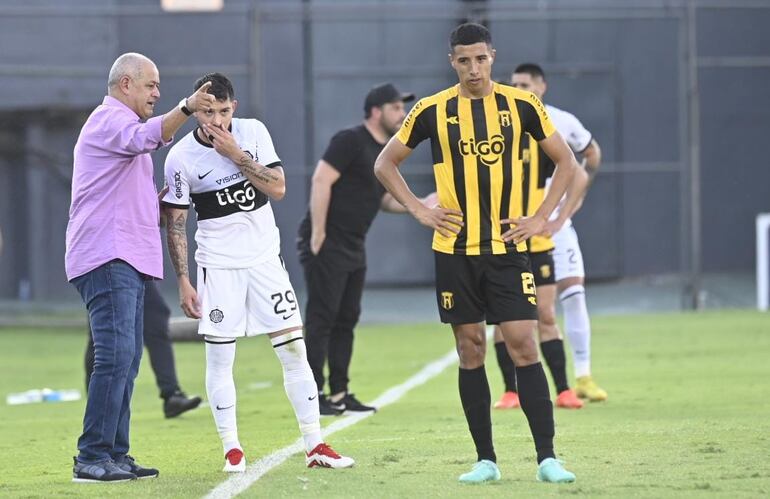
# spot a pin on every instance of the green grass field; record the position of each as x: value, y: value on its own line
x: 688, y: 415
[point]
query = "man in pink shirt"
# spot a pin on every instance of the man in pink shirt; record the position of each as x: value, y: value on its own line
x: 113, y: 246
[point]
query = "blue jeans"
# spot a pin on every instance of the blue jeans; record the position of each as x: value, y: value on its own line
x: 114, y: 296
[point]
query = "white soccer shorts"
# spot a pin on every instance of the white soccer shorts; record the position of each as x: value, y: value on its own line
x: 247, y: 302
x: 567, y: 257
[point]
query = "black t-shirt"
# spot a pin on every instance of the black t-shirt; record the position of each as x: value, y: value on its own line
x: 355, y: 199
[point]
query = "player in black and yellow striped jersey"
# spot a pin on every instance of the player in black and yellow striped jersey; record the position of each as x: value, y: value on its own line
x: 482, y: 268
x: 537, y: 170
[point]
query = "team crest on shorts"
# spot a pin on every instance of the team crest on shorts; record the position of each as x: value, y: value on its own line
x: 216, y: 316
x: 447, y: 300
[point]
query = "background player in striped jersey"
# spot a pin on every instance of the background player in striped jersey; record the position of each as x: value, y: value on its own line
x: 228, y: 168
x: 567, y: 256
x: 482, y: 268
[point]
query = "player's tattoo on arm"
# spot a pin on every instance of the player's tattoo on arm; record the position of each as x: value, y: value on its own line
x: 256, y: 172
x: 176, y: 235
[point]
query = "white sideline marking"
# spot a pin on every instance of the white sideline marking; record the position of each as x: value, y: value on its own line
x: 240, y: 482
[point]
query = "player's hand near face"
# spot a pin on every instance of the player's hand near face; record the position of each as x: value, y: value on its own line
x: 188, y: 299
x: 447, y: 222
x: 523, y: 228
x: 223, y: 141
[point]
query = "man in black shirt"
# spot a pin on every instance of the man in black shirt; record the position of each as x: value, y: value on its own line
x: 344, y: 199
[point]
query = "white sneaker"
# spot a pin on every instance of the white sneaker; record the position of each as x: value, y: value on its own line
x: 235, y: 462
x: 324, y: 456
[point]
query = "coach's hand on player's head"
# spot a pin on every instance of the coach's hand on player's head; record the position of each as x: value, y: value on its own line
x: 201, y: 100
x: 447, y: 222
x: 188, y: 300
x: 523, y: 228
x: 223, y: 141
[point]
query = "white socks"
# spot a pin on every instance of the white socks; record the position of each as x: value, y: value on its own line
x: 300, y: 385
x: 297, y: 379
x: 220, y: 389
x: 577, y: 326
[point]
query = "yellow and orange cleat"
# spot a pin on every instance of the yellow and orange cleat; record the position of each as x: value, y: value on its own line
x: 587, y: 388
x: 568, y: 400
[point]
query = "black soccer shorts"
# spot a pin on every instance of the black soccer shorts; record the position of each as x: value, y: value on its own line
x: 542, y: 267
x: 491, y: 288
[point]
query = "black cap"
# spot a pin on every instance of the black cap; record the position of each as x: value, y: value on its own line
x: 383, y: 94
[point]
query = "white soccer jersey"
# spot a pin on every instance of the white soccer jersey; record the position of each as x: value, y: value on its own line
x: 236, y: 227
x: 576, y: 136
x: 570, y: 128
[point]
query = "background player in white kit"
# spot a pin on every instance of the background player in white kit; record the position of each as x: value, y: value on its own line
x: 568, y: 259
x: 228, y: 168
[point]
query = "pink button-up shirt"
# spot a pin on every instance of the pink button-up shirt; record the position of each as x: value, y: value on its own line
x: 114, y: 210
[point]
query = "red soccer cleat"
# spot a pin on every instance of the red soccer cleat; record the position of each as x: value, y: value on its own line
x: 509, y: 400
x: 568, y: 400
x: 324, y: 456
x: 235, y: 462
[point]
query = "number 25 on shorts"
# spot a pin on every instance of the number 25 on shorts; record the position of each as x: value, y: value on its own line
x: 528, y: 286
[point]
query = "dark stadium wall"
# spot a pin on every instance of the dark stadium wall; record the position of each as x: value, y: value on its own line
x: 619, y: 72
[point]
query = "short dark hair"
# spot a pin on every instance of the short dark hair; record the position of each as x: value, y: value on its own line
x: 468, y: 34
x: 221, y: 88
x: 531, y: 69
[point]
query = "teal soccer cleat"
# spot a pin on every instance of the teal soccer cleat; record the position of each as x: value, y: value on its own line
x: 483, y: 471
x: 551, y: 471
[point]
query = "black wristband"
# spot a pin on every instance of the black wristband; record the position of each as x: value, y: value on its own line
x: 184, y: 109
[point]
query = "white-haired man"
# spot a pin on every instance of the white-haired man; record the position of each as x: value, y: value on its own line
x: 113, y: 246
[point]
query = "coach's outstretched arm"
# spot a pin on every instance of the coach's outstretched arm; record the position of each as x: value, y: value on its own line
x: 443, y: 220
x: 173, y: 120
x: 271, y: 181
x: 176, y: 235
x: 560, y: 153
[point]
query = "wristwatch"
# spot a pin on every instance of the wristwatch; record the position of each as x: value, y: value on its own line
x: 183, y: 107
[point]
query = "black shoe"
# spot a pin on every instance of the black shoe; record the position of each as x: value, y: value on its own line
x: 329, y: 408
x: 177, y: 403
x: 352, y: 404
x: 127, y: 463
x: 104, y: 472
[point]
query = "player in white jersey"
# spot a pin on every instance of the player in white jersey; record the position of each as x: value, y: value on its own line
x: 568, y: 259
x: 227, y: 167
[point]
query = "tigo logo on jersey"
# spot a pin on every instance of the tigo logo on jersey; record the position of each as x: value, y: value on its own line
x: 447, y: 300
x: 488, y: 151
x: 244, y: 198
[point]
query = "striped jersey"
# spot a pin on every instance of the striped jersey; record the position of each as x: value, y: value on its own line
x: 476, y: 146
